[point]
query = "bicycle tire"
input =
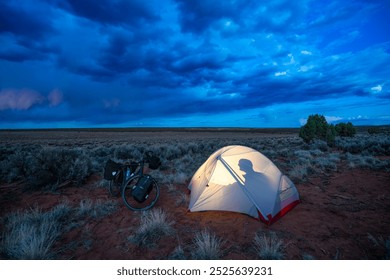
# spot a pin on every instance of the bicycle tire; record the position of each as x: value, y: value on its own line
x: 131, y: 203
x: 115, y: 185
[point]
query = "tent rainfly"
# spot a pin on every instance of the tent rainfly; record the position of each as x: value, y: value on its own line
x: 241, y: 179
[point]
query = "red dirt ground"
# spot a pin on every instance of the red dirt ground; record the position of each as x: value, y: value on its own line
x: 333, y: 220
x: 337, y: 214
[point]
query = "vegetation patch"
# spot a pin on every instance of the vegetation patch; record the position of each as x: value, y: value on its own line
x: 154, y: 225
x: 207, y: 246
x: 269, y: 246
x: 317, y: 128
x: 32, y: 235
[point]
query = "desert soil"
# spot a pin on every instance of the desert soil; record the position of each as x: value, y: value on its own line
x: 339, y: 215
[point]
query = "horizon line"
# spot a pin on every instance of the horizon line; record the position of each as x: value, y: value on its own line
x: 133, y: 128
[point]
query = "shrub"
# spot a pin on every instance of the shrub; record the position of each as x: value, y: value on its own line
x: 268, y: 246
x: 51, y: 167
x: 368, y: 144
x: 207, y: 246
x: 369, y: 162
x: 373, y: 130
x: 14, y: 164
x: 300, y: 172
x: 320, y: 145
x: 327, y: 162
x: 345, y: 129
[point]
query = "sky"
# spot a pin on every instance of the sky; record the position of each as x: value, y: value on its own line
x: 187, y: 63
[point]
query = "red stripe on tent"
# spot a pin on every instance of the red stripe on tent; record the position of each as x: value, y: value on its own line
x: 280, y: 214
x: 284, y: 211
x: 261, y: 218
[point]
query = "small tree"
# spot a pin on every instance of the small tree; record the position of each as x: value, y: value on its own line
x: 345, y: 129
x: 307, y: 132
x: 331, y: 135
x: 316, y: 127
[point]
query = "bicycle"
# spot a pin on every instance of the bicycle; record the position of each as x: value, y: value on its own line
x: 139, y: 191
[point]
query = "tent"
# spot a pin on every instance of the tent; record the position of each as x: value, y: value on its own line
x: 241, y: 179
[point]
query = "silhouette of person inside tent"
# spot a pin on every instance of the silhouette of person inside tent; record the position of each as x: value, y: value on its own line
x: 258, y: 186
x: 252, y: 178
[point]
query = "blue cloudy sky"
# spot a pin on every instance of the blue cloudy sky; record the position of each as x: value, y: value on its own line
x: 120, y: 63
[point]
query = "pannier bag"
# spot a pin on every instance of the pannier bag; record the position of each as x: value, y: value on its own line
x: 142, y: 189
x: 111, y: 169
x: 154, y: 161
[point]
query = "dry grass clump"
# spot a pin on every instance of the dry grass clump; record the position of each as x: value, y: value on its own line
x: 306, y: 256
x: 207, y: 246
x: 154, y: 225
x: 382, y: 243
x: 32, y: 234
x: 178, y: 254
x: 99, y: 209
x: 268, y: 246
x: 183, y: 199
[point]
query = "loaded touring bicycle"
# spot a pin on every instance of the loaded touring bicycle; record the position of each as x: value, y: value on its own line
x: 139, y: 191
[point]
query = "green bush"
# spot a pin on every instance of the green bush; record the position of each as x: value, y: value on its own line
x: 316, y: 127
x: 330, y: 135
x: 345, y: 129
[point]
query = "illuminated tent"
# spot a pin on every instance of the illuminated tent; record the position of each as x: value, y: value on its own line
x: 241, y: 179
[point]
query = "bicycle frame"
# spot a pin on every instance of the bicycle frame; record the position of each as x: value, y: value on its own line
x: 121, y: 180
x: 139, y: 170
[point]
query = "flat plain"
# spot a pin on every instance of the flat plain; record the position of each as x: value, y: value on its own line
x: 54, y: 202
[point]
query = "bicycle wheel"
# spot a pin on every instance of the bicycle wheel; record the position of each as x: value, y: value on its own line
x: 134, y: 205
x: 114, y: 186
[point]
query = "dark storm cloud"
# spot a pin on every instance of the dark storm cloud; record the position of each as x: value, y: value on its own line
x: 23, y: 31
x: 120, y: 12
x: 19, y: 20
x: 20, y: 55
x: 118, y: 60
x: 123, y: 54
x: 197, y: 16
x: 250, y: 16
